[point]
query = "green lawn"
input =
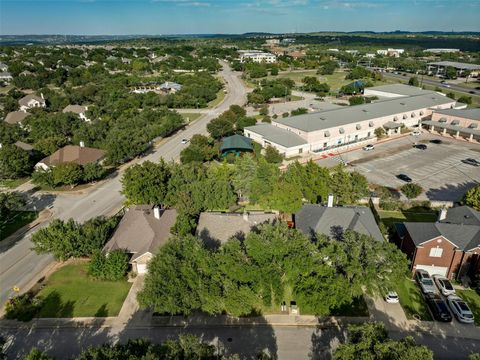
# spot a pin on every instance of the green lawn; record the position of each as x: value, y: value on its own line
x: 13, y: 183
x: 472, y: 298
x: 15, y: 221
x: 191, y: 116
x: 220, y: 96
x: 391, y: 217
x: 69, y: 292
x: 412, y: 300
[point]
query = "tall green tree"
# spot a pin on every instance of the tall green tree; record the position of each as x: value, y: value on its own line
x: 14, y: 162
x: 472, y: 197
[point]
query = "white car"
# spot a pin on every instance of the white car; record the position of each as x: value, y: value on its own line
x: 392, y: 297
x: 368, y: 147
x: 444, y: 285
x: 460, y: 309
x: 184, y: 141
x: 415, y: 133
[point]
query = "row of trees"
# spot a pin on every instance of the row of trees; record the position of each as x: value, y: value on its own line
x: 69, y: 174
x: 193, y: 187
x: 269, y: 89
x: 230, y: 122
x: 246, y: 277
x: 66, y: 239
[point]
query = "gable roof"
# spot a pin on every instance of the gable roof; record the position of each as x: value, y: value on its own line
x: 73, y: 153
x: 223, y: 226
x: 25, y: 100
x: 236, y: 142
x: 312, y: 219
x: 139, y: 232
x: 353, y: 114
x: 15, y: 117
x: 76, y: 109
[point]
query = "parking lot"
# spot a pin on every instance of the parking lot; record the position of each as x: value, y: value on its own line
x: 438, y: 169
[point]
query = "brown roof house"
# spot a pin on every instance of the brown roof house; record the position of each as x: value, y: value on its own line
x: 79, y: 110
x: 449, y: 247
x: 217, y: 227
x: 31, y: 101
x: 16, y: 117
x: 72, y: 153
x: 141, y: 232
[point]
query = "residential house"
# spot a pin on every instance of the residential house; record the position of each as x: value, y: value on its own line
x: 333, y: 221
x: 218, y: 227
x: 170, y: 87
x: 449, y: 247
x: 79, y: 110
x: 31, y: 101
x: 142, y: 231
x: 16, y: 117
x: 72, y: 153
x: 3, y: 67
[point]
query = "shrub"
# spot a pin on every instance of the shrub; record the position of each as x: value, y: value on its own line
x: 23, y: 307
x: 391, y: 205
x: 272, y: 155
x: 267, y: 119
x: 264, y: 110
x: 285, y: 114
x: 356, y: 100
x: 379, y: 132
x: 411, y: 190
x: 112, y: 266
x: 299, y: 111
x: 465, y: 99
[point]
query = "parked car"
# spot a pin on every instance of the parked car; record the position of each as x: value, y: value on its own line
x: 404, y: 177
x: 446, y: 85
x: 436, y: 141
x: 420, y: 146
x: 471, y: 92
x: 460, y: 309
x: 415, y: 133
x: 184, y: 141
x: 368, y: 147
x: 471, y: 161
x: 444, y: 285
x: 392, y: 297
x: 438, y: 307
x: 425, y: 282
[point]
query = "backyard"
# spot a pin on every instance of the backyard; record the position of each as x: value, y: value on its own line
x: 70, y: 292
x: 412, y: 300
x: 15, y: 221
x: 388, y: 218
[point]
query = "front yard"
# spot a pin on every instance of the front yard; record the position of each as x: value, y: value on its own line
x: 15, y: 221
x: 70, y: 292
x: 412, y: 300
x: 472, y: 298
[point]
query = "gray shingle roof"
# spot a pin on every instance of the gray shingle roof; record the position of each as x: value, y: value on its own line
x: 461, y: 227
x: 140, y: 232
x: 352, y: 114
x: 277, y: 135
x: 312, y: 219
x: 473, y: 114
x: 15, y: 117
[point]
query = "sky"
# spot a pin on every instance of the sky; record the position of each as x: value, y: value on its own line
x: 161, y: 17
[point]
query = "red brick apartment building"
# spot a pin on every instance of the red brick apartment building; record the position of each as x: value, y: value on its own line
x: 449, y: 247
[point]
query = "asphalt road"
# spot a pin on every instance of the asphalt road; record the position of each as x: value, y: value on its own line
x: 438, y: 83
x: 19, y: 265
x: 282, y: 342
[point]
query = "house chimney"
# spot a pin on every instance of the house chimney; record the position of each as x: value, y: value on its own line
x: 156, y: 212
x: 442, y: 215
x: 330, y: 201
x: 82, y: 143
x: 245, y: 215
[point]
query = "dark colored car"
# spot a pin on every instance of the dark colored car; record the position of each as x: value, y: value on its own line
x: 420, y: 146
x: 471, y: 161
x: 438, y: 307
x: 404, y: 177
x: 436, y: 141
x: 471, y: 92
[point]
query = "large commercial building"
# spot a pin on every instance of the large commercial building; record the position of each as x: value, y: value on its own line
x: 257, y: 56
x: 459, y: 123
x: 438, y: 68
x: 350, y: 126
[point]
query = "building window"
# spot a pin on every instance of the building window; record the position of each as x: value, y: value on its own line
x: 324, y: 145
x: 436, y: 252
x: 300, y: 150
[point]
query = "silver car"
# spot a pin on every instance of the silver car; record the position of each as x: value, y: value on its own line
x: 425, y: 282
x: 460, y: 309
x: 444, y: 285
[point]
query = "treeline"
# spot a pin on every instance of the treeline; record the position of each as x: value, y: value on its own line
x: 268, y: 89
x: 271, y: 265
x: 192, y: 188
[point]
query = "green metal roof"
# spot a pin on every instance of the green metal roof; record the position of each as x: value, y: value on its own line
x: 236, y: 142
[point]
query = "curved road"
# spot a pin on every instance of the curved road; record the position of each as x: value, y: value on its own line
x: 20, y: 266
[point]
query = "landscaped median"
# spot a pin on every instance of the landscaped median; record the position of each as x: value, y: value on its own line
x: 412, y: 300
x: 472, y: 298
